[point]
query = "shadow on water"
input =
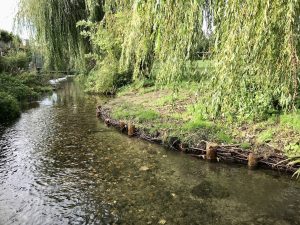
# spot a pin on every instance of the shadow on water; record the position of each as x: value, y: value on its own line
x: 60, y: 165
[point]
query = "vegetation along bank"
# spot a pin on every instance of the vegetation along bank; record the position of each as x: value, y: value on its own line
x: 156, y: 115
x: 198, y: 70
x: 18, y: 83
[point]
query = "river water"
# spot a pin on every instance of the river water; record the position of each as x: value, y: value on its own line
x: 61, y: 165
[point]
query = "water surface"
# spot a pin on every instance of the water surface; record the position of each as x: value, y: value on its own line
x: 60, y: 165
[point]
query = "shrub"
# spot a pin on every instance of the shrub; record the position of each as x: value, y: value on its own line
x: 9, y: 107
x: 15, y: 87
x: 14, y: 62
x: 106, y: 78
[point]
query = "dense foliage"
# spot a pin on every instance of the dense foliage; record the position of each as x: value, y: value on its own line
x: 255, y: 56
x: 257, y: 65
x: 54, y: 24
x: 14, y: 62
x: 19, y: 88
x: 10, y: 38
x: 9, y: 107
x: 254, y: 64
x: 17, y: 84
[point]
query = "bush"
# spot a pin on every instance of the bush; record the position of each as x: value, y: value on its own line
x: 16, y: 88
x: 13, y: 62
x: 9, y: 107
x: 106, y: 78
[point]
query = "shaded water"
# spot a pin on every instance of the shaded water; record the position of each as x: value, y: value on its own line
x: 60, y: 165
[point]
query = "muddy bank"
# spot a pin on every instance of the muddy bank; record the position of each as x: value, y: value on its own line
x: 202, y: 149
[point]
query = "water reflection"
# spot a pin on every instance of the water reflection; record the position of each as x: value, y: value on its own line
x: 60, y: 165
x: 49, y: 101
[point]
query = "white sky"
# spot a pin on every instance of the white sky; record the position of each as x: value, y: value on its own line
x: 8, y: 10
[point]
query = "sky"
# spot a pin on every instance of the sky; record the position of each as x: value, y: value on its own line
x: 8, y: 10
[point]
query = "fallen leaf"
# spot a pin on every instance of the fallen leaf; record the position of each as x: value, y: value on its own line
x: 162, y: 221
x: 144, y: 168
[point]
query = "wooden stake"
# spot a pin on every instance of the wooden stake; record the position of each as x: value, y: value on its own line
x: 211, y: 153
x: 252, y: 161
x: 131, y: 129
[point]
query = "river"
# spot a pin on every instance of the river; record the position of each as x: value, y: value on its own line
x: 60, y: 165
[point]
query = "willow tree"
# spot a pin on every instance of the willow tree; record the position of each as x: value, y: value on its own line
x: 53, y: 22
x: 162, y: 35
x: 257, y: 65
x: 146, y: 38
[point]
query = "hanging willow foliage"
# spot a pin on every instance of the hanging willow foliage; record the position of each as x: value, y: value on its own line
x: 257, y: 50
x: 54, y: 24
x: 162, y: 33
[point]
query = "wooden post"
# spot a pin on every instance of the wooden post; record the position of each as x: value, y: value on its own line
x: 131, y: 129
x: 252, y: 161
x: 164, y: 137
x: 211, y: 153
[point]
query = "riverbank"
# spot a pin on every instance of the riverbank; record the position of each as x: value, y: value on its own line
x: 168, y: 117
x: 19, y: 90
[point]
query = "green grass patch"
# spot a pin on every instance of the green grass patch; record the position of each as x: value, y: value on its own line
x: 221, y: 136
x: 166, y: 100
x: 197, y: 123
x: 204, y: 64
x: 291, y: 120
x: 141, y: 86
x: 292, y: 150
x: 265, y: 136
x: 245, y: 145
x: 131, y: 112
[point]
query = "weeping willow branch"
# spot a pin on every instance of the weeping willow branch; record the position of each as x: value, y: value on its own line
x: 162, y: 33
x: 53, y: 22
x: 257, y: 66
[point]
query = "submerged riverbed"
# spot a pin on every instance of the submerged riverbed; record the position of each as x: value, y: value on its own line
x: 60, y: 165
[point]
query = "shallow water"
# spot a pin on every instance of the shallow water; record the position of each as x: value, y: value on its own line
x: 60, y: 165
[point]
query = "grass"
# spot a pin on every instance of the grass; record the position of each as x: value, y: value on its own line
x: 131, y: 112
x: 167, y: 100
x: 245, y: 145
x: 265, y: 136
x: 176, y: 113
x: 291, y: 120
x: 223, y: 137
x: 293, y: 149
x: 197, y: 124
x: 204, y: 64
